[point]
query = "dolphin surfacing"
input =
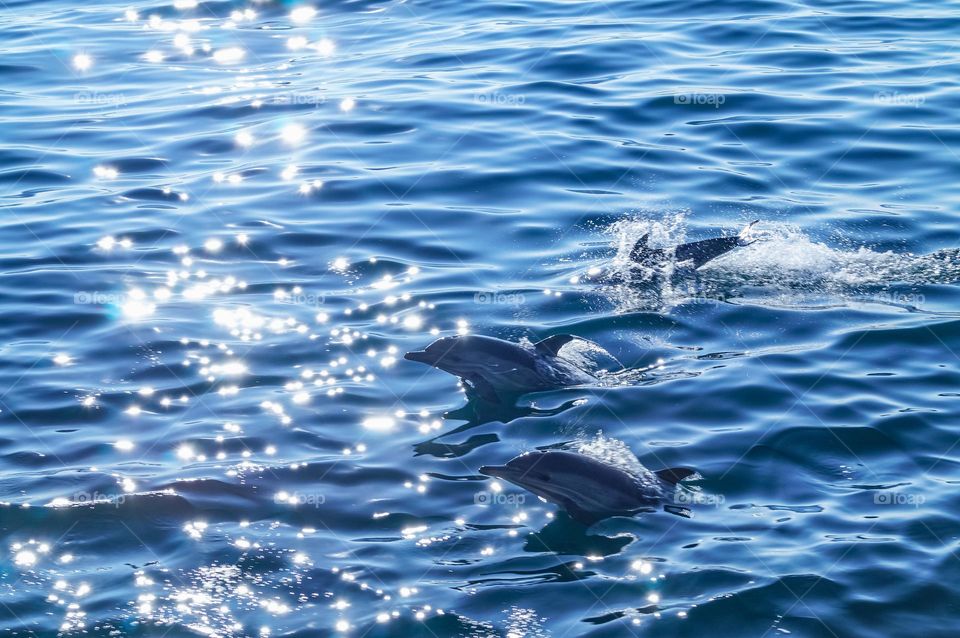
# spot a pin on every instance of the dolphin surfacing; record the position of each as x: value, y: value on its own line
x: 693, y: 254
x: 495, y: 370
x: 588, y: 489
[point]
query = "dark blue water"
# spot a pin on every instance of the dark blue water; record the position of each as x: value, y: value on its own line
x: 224, y: 224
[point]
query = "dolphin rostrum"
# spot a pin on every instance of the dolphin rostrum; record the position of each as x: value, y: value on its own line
x: 588, y: 489
x: 691, y: 255
x: 495, y: 369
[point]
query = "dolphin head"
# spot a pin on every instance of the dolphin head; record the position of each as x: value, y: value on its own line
x: 522, y: 470
x: 435, y: 352
x: 464, y: 355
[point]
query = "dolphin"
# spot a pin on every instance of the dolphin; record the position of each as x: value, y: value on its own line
x: 588, y: 489
x: 692, y: 255
x: 495, y: 369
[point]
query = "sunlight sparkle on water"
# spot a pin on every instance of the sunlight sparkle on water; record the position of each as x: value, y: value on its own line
x: 244, y: 139
x: 379, y: 423
x: 213, y: 245
x: 293, y: 133
x: 308, y: 187
x: 82, y: 62
x: 296, y: 43
x: 105, y: 172
x: 136, y: 306
x: 25, y: 558
x: 182, y: 42
x: 302, y: 15
x: 325, y: 47
x: 229, y: 55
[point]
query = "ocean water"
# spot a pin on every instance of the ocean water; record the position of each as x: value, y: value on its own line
x: 225, y: 222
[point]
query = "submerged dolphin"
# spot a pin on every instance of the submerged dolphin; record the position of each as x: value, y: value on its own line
x: 588, y: 489
x: 692, y: 255
x: 496, y: 369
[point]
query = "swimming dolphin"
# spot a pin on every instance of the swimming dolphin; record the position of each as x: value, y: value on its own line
x: 693, y: 255
x: 495, y: 369
x: 588, y: 489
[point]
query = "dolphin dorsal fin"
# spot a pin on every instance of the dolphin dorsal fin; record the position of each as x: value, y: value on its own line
x: 638, y: 248
x: 675, y: 474
x: 552, y: 345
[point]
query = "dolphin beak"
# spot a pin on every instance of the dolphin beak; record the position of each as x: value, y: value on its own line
x: 496, y: 471
x: 419, y: 355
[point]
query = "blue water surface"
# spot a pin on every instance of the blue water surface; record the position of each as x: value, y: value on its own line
x: 224, y: 223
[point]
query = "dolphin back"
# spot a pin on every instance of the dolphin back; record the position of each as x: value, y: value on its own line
x: 697, y: 252
x: 700, y: 252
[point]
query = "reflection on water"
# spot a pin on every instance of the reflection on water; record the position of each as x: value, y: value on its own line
x: 226, y: 222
